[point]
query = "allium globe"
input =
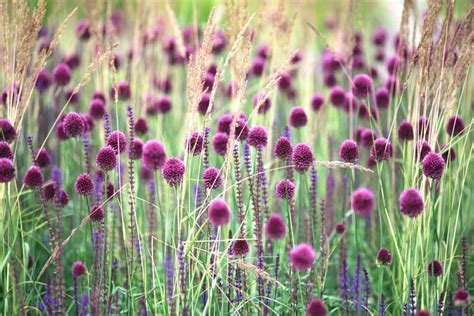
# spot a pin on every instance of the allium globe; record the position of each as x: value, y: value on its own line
x: 362, y: 201
x: 302, y: 257
x: 173, y: 171
x: 275, y: 228
x: 411, y: 202
x: 218, y: 212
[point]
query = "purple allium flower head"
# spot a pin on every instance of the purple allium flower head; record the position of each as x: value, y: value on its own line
x: 141, y: 126
x: 393, y: 64
x: 106, y: 158
x: 73, y: 124
x: 43, y: 158
x: 340, y: 228
x: 423, y: 313
x: 97, y: 108
x: 367, y: 137
x: 382, y: 98
x: 329, y: 79
x: 384, y: 257
x: 262, y: 101
x: 405, y: 131
x: 455, y: 126
x: 337, y: 96
x: 331, y: 62
x: 164, y: 104
x: 381, y: 149
x: 379, y: 36
x: 298, y: 117
x: 99, y: 95
x: 275, y: 228
x: 422, y: 149
x: 350, y: 103
x: 88, y: 122
x: 224, y: 123
x: 435, y: 269
x: 62, y: 74
x: 258, y: 136
x: 316, y: 307
x: 362, y: 201
x: 203, y: 103
x: 195, y: 143
x: 257, y: 66
x: 218, y: 212
x: 349, y: 152
x: 393, y: 85
x: 118, y: 141
x: 423, y: 126
x: 379, y: 55
x: 433, y: 165
x: 173, y: 171
x: 285, y: 81
x: 362, y: 85
x: 73, y: 60
x: 283, y: 148
x: 240, y: 247
x: 5, y: 150
x: 7, y: 131
x: 302, y: 257
x: 219, y: 143
x: 96, y: 213
x: 33, y: 178
x: 219, y: 42
x: 208, y: 82
x: 49, y: 190
x: 462, y: 297
x: 7, y: 170
x: 43, y: 81
x: 60, y: 198
x: 154, y: 155
x: 123, y: 90
x: 83, y: 30
x: 241, y: 129
x: 302, y: 157
x: 211, y: 178
x: 84, y: 184
x: 411, y: 202
x: 448, y: 154
x: 285, y: 189
x: 317, y: 101
x: 263, y: 51
x: 78, y: 269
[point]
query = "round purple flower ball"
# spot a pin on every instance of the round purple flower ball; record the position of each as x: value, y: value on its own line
x: 141, y: 126
x: 367, y: 137
x: 298, y: 117
x: 257, y: 66
x: 340, y: 228
x: 448, y: 154
x: 435, y: 269
x: 337, y: 96
x: 97, y: 214
x: 118, y: 141
x: 218, y: 212
x: 154, y: 155
x: 379, y: 36
x: 302, y: 257
x: 405, y: 131
x: 433, y: 165
x: 393, y: 64
x: 5, y: 150
x: 33, y: 178
x: 163, y: 104
x: 136, y: 149
x: 173, y: 171
x: 97, y: 109
x: 7, y: 170
x: 84, y: 184
x: 422, y: 149
x: 275, y: 228
x: 316, y: 307
x: 284, y: 82
x: 258, y: 136
x: 362, y: 201
x: 455, y: 126
x: 384, y: 257
x: 203, y: 103
x: 83, y: 30
x: 7, y: 131
x: 382, y: 98
x: 195, y: 143
x: 381, y: 149
x: 73, y: 124
x: 462, y: 297
x: 49, y: 190
x: 219, y: 143
x: 302, y: 157
x: 241, y: 129
x: 423, y: 313
x: 106, y: 158
x: 60, y: 198
x: 211, y: 178
x: 78, y: 269
x: 283, y: 149
x: 285, y: 189
x: 349, y: 152
x: 43, y: 81
x: 262, y: 101
x: 317, y: 101
x: 240, y: 247
x: 123, y: 91
x: 329, y: 79
x: 362, y: 85
x: 423, y: 126
x: 62, y: 74
x: 224, y: 122
x: 411, y: 202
